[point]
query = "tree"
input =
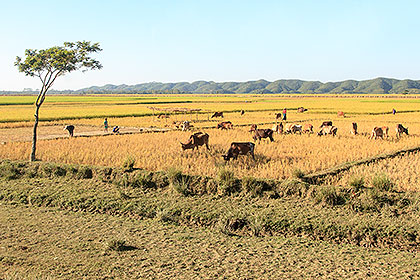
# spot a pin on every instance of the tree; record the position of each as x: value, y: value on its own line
x: 49, y: 64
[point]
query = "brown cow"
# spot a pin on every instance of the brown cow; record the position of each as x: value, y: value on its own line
x: 308, y: 128
x: 217, y: 114
x: 225, y: 125
x: 239, y: 148
x: 377, y: 132
x: 278, y: 128
x: 400, y: 129
x: 195, y: 140
x: 340, y: 114
x: 328, y: 130
x: 385, y: 129
x: 293, y: 128
x: 326, y: 123
x: 278, y: 116
x: 301, y: 110
x: 354, y: 129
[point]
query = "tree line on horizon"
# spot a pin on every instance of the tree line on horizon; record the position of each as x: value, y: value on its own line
x: 373, y: 86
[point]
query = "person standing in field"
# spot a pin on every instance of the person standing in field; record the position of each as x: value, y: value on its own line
x: 106, y: 125
x: 284, y: 114
x: 394, y: 111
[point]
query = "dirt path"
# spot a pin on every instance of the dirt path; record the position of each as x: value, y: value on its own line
x: 24, y: 134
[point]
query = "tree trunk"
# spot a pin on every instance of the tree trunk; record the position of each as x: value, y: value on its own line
x: 33, y: 158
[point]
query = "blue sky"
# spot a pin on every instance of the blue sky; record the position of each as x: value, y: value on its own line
x: 174, y: 41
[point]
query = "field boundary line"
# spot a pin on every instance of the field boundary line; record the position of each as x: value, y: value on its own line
x: 317, y: 177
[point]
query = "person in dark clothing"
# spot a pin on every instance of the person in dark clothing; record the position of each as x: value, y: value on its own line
x: 116, y: 129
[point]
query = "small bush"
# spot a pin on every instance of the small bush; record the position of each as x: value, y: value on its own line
x: 10, y: 171
x: 382, y: 183
x: 228, y: 184
x: 252, y: 186
x: 329, y: 195
x: 297, y: 173
x: 128, y: 164
x: 178, y: 181
x: 84, y: 172
x: 357, y: 183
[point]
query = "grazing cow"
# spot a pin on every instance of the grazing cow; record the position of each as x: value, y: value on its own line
x: 225, y: 125
x: 400, y: 129
x: 308, y: 128
x: 239, y: 148
x: 293, y: 128
x: 385, y: 129
x: 377, y: 132
x: 278, y: 128
x: 326, y: 123
x: 186, y: 125
x: 195, y: 140
x: 217, y: 114
x: 70, y: 129
x: 242, y: 112
x: 301, y: 110
x: 354, y: 129
x: 340, y: 114
x: 326, y: 130
x: 262, y: 133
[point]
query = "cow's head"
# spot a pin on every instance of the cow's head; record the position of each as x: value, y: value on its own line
x: 228, y: 155
x: 187, y: 146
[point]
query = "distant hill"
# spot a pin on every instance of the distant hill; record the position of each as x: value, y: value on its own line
x: 374, y: 86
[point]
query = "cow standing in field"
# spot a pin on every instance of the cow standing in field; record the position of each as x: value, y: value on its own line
x: 217, y: 114
x: 400, y: 129
x: 261, y: 133
x: 326, y: 123
x: 293, y: 128
x: 278, y: 116
x: 278, y: 128
x: 186, y: 125
x: 195, y: 140
x: 70, y: 129
x: 385, y: 129
x: 301, y: 110
x: 308, y: 128
x: 225, y: 125
x: 377, y: 132
x: 326, y: 130
x: 354, y: 129
x: 239, y: 148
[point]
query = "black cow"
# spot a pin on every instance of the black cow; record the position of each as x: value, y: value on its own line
x: 326, y: 123
x: 70, y: 129
x: 400, y: 129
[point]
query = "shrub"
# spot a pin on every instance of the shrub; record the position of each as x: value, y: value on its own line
x: 84, y: 172
x: 297, y: 173
x: 228, y: 184
x: 10, y: 171
x: 252, y: 186
x: 178, y: 181
x: 128, y: 164
x: 329, y: 195
x: 382, y: 183
x: 357, y: 183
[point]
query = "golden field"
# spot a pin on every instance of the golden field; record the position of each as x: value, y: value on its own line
x: 160, y: 151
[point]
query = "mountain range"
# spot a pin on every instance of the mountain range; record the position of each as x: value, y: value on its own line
x: 374, y: 86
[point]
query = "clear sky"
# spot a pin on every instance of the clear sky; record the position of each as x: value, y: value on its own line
x: 227, y: 40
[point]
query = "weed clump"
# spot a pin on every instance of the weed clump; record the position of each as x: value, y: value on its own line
x: 252, y: 186
x: 228, y: 184
x: 357, y: 183
x: 329, y: 195
x: 297, y: 173
x: 128, y: 164
x: 382, y: 183
x: 10, y: 171
x: 179, y: 182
